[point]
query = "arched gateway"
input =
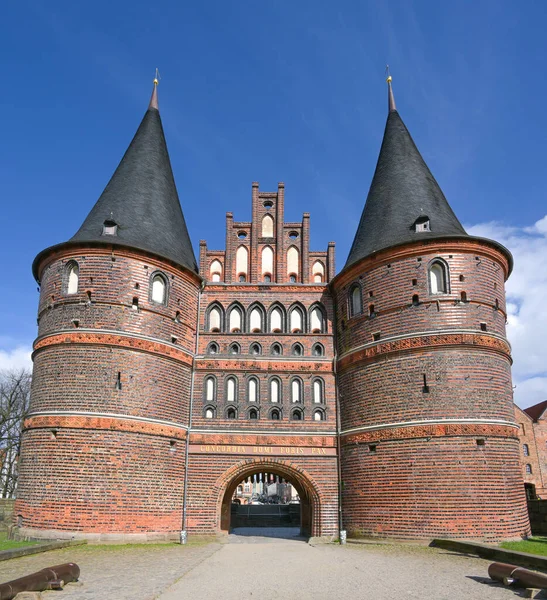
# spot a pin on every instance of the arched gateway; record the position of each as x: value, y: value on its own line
x: 307, y: 489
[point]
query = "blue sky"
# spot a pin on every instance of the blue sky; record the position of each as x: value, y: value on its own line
x: 280, y: 91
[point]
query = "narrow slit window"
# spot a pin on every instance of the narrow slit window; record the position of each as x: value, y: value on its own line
x: 73, y: 272
x: 159, y: 289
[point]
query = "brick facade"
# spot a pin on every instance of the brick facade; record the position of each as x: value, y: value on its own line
x: 266, y: 362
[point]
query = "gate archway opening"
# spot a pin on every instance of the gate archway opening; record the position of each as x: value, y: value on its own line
x: 269, y: 496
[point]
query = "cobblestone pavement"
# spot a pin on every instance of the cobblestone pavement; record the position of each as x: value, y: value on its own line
x: 260, y: 570
x: 139, y: 572
x: 252, y: 567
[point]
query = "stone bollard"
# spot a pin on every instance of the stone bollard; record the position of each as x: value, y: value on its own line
x: 343, y: 536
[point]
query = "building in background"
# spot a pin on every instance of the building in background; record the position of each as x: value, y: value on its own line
x: 160, y: 386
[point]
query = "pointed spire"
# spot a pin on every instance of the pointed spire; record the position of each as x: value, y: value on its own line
x: 154, y: 98
x: 390, y: 97
x: 404, y: 203
x: 142, y: 199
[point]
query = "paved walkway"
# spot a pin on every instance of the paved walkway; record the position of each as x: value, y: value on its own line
x: 252, y: 567
x: 260, y: 570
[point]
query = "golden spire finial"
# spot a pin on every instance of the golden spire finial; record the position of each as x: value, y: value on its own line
x: 154, y: 98
x: 390, y: 98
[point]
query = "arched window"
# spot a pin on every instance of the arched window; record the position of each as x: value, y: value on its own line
x: 235, y: 348
x: 242, y: 261
x: 255, y: 349
x: 318, y: 391
x: 355, y: 300
x: 231, y: 389
x: 318, y: 350
x: 276, y: 350
x: 231, y: 413
x: 297, y: 350
x: 159, y: 289
x: 214, y: 319
x: 318, y: 272
x: 276, y: 320
x: 216, y: 270
x: 275, y: 415
x: 438, y: 277
x: 318, y: 415
x: 525, y: 450
x: 209, y: 413
x: 296, y: 320
x: 212, y: 348
x: 73, y: 275
x: 293, y: 266
x: 255, y: 321
x: 296, y: 415
x: 528, y: 469
x: 296, y: 390
x: 275, y: 390
x: 317, y: 321
x: 267, y: 226
x: 210, y: 389
x: 235, y: 320
x: 267, y: 261
x: 253, y: 390
x: 253, y: 413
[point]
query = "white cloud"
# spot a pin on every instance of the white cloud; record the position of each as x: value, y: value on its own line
x: 526, y: 305
x: 16, y: 358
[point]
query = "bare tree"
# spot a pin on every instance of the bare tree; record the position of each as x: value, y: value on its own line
x: 14, y: 406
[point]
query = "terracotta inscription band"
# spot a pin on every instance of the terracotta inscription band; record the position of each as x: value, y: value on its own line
x: 114, y: 339
x: 260, y: 450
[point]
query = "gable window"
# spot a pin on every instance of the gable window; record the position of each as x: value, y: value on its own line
x: 276, y: 321
x: 293, y: 262
x: 355, y: 300
x: 422, y: 224
x: 214, y: 319
x: 210, y: 391
x: 242, y: 261
x: 318, y: 350
x: 296, y: 390
x: 297, y: 350
x: 316, y: 320
x: 253, y: 390
x: 318, y: 388
x: 267, y: 261
x: 73, y: 275
x: 159, y: 289
x: 231, y: 389
x: 256, y: 349
x: 275, y: 391
x: 212, y: 348
x: 318, y: 272
x: 438, y: 279
x: 235, y: 349
x: 235, y: 320
x: 215, y: 270
x: 267, y: 226
x: 276, y: 350
x: 296, y: 320
x: 256, y: 320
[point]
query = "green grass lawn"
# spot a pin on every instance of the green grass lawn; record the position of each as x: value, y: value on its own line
x: 6, y: 544
x: 533, y: 545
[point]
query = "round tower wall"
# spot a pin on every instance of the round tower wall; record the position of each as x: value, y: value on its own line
x: 425, y: 396
x: 110, y: 398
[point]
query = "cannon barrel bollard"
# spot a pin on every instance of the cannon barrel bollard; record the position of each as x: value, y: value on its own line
x: 509, y: 574
x: 52, y: 578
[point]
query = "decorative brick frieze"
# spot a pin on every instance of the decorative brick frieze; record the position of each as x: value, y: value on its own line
x: 418, y: 342
x: 114, y: 339
x: 110, y: 423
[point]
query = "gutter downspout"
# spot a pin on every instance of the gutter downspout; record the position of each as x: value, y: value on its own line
x: 183, y: 531
x: 338, y: 425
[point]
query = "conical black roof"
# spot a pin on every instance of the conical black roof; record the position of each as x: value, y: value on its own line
x: 141, y: 199
x: 403, y: 191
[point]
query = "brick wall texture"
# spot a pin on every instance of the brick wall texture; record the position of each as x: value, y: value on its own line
x: 410, y: 394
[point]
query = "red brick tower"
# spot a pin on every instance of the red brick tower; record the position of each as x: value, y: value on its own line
x: 429, y: 445
x: 103, y: 451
